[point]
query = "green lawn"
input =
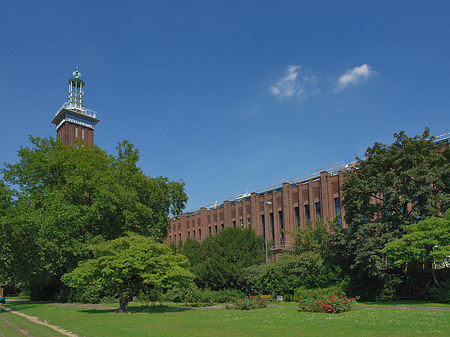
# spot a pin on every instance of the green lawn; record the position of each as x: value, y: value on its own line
x: 11, y: 324
x: 272, y: 321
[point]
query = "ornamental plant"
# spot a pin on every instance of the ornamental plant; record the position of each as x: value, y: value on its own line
x: 328, y: 303
x: 247, y: 303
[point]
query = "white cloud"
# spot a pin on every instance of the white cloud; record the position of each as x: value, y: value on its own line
x: 354, y: 75
x: 287, y: 86
x: 292, y: 84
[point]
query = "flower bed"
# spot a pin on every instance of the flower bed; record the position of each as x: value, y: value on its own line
x: 247, y: 303
x: 329, y: 303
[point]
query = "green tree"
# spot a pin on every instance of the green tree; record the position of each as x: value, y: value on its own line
x: 392, y: 187
x: 219, y: 261
x: 129, y: 265
x: 427, y: 243
x: 66, y: 198
x: 396, y: 185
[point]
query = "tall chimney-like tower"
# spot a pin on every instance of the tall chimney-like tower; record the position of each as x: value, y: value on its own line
x: 73, y: 121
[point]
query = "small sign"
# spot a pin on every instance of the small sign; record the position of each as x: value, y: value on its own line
x: 279, y: 298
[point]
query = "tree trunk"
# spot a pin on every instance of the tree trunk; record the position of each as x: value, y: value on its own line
x: 433, y: 272
x: 122, y: 304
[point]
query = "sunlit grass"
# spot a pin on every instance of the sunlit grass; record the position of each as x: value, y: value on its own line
x: 272, y: 321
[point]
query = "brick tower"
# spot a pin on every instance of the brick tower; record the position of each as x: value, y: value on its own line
x: 73, y: 121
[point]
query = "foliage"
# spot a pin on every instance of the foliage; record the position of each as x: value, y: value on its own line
x: 398, y: 184
x: 327, y: 303
x: 195, y: 297
x: 66, y: 198
x: 247, y: 303
x: 219, y: 261
x: 426, y: 242
x: 289, y: 273
x: 303, y: 293
x: 440, y: 293
x: 129, y: 265
x: 392, y: 187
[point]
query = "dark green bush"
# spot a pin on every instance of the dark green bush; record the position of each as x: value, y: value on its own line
x: 440, y: 294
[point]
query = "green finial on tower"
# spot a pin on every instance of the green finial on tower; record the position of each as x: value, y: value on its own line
x: 76, y: 74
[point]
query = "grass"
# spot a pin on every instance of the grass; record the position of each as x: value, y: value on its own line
x: 10, y: 325
x: 271, y: 321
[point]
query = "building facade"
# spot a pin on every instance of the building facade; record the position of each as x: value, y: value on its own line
x: 278, y: 210
x: 73, y: 121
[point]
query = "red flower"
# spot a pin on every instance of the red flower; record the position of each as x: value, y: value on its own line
x: 331, y: 296
x: 341, y: 296
x: 332, y: 301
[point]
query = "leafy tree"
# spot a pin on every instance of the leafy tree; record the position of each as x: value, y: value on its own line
x: 219, y: 261
x: 392, y: 187
x: 129, y: 265
x: 427, y: 243
x: 396, y: 185
x: 66, y: 198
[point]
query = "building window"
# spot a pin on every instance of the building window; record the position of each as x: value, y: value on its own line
x: 189, y: 235
x: 318, y: 211
x: 337, y: 209
x: 193, y: 234
x: 175, y: 239
x: 215, y: 229
x: 199, y: 234
x: 263, y: 226
x: 170, y: 239
x: 82, y: 133
x: 223, y: 226
x: 234, y: 223
x: 307, y: 215
x: 76, y: 132
x: 280, y: 221
x: 297, y: 218
x: 272, y: 230
x: 179, y: 235
x: 209, y: 230
x: 241, y: 223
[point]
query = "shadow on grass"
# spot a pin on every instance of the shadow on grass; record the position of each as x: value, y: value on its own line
x: 143, y: 309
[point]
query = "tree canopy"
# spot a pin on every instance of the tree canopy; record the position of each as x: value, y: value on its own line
x: 128, y: 265
x: 65, y: 198
x: 219, y: 262
x: 426, y: 242
x: 392, y: 187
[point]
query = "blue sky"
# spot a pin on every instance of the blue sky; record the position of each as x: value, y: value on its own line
x: 228, y: 95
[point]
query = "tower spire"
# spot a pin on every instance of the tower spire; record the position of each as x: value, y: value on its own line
x: 73, y: 121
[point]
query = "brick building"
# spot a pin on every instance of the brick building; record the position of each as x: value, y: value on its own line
x: 287, y: 206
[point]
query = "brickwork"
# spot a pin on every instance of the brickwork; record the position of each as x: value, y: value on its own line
x: 69, y: 132
x: 287, y: 208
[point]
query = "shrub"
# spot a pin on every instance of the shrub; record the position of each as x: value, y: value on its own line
x: 304, y: 293
x: 328, y: 303
x: 247, y: 303
x: 289, y: 273
x: 440, y: 294
x: 195, y: 297
x: 227, y: 295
